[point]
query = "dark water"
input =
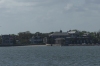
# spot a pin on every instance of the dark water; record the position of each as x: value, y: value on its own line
x: 50, y: 56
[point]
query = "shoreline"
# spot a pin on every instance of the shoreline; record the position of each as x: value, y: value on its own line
x: 51, y: 45
x: 22, y: 45
x: 73, y: 45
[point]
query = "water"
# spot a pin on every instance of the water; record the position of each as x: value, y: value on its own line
x: 50, y: 56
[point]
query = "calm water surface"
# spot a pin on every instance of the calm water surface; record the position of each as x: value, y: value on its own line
x: 50, y: 56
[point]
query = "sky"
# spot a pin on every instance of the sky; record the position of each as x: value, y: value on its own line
x: 48, y: 15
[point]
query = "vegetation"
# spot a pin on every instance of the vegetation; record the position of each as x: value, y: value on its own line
x: 24, y: 37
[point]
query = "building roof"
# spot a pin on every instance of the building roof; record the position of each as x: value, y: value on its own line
x: 72, y: 32
x: 63, y: 33
x: 85, y: 34
x: 59, y: 34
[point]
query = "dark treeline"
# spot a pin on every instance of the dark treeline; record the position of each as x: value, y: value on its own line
x: 24, y: 37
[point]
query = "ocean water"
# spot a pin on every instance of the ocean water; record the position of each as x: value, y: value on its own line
x: 50, y: 56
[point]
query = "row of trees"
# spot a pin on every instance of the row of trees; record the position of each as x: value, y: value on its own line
x: 95, y: 36
x: 24, y: 37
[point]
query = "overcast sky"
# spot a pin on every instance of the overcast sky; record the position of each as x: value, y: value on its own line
x: 48, y: 15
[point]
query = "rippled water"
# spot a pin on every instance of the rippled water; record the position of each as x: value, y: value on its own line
x: 50, y: 56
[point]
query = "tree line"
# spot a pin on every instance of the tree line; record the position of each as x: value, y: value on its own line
x: 23, y: 37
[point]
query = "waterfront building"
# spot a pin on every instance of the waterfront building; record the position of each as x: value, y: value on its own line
x: 36, y: 40
x: 60, y: 41
x: 69, y: 37
x: 56, y: 37
x: 8, y: 40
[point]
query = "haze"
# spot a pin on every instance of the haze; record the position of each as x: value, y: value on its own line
x: 48, y: 15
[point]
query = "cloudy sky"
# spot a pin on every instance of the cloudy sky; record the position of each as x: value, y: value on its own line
x: 48, y: 15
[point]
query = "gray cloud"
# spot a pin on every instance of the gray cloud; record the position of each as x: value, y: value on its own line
x: 92, y: 1
x: 48, y: 15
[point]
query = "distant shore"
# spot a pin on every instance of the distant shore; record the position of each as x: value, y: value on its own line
x: 73, y: 45
x: 52, y: 45
x: 23, y: 45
